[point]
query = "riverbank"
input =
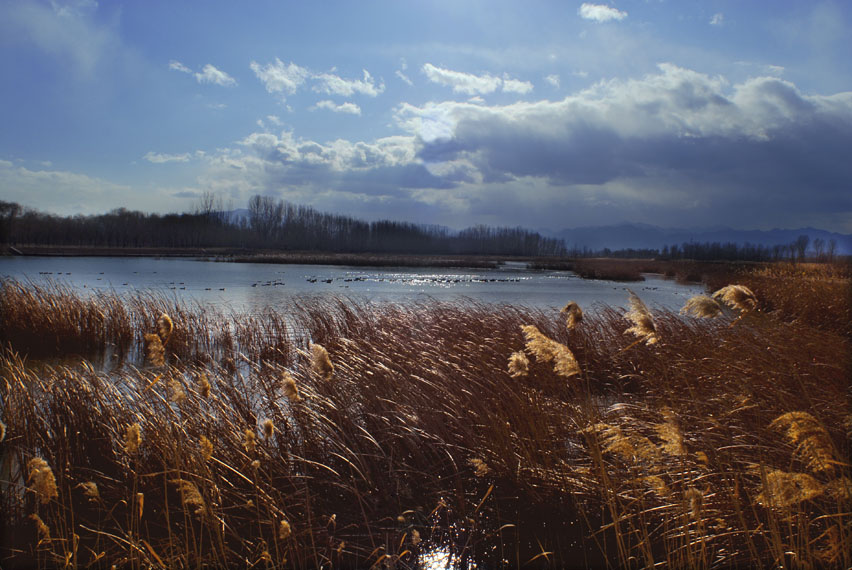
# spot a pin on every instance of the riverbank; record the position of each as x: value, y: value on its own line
x: 273, y: 256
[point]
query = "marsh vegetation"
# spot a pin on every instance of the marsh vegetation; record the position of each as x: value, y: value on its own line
x: 140, y: 431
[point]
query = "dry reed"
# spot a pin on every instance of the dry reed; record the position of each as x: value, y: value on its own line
x: 519, y: 364
x: 702, y: 306
x: 644, y: 326
x: 548, y: 350
x: 737, y: 297
x: 573, y: 314
x: 41, y: 479
x: 674, y: 457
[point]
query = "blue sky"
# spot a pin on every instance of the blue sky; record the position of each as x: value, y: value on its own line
x: 540, y: 114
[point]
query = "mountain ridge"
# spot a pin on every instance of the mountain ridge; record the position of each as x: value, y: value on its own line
x: 627, y: 235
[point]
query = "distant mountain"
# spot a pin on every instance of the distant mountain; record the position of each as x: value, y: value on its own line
x: 644, y: 236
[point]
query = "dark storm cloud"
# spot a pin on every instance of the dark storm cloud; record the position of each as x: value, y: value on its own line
x: 680, y: 137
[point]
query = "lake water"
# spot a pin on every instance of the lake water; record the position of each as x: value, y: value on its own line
x: 253, y: 287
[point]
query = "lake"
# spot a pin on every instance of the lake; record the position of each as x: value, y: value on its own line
x: 253, y: 287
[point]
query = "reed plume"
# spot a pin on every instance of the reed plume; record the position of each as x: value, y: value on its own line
x: 268, y: 428
x: 90, y: 489
x: 284, y: 530
x: 140, y: 504
x: 481, y: 468
x: 702, y: 306
x: 629, y: 446
x: 813, y: 444
x: 132, y: 439
x: 190, y: 495
x: 320, y: 361
x: 43, y: 529
x: 643, y: 323
x: 249, y: 440
x: 155, y: 352
x: 695, y: 501
x: 657, y: 484
x: 519, y: 364
x: 165, y: 326
x: 41, y: 479
x: 671, y: 435
x: 206, y: 448
x: 548, y: 350
x: 840, y: 489
x: 203, y: 385
x: 573, y: 314
x: 737, y: 297
x: 783, y: 489
x: 176, y: 391
x: 291, y: 389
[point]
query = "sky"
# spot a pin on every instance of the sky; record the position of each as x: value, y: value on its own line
x: 541, y: 114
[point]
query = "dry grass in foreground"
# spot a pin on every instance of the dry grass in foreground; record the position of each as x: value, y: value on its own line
x: 343, y: 435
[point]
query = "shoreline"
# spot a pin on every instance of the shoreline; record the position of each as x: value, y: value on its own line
x: 275, y: 256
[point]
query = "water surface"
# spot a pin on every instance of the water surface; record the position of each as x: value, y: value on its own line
x: 253, y: 287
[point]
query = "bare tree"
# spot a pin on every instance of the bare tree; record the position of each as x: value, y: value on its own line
x: 800, y: 246
x: 265, y: 215
x: 832, y: 250
x: 8, y: 212
x: 819, y: 247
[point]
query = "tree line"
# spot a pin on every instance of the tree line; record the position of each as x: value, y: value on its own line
x: 269, y: 224
x: 277, y: 224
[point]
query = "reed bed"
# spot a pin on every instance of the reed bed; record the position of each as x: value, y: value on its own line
x: 338, y: 434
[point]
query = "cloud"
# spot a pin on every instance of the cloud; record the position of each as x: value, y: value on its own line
x: 718, y: 19
x: 471, y: 84
x: 66, y: 192
x: 553, y: 80
x: 288, y: 79
x: 600, y: 13
x: 209, y: 74
x: 69, y: 31
x: 335, y: 85
x: 158, y: 158
x: 175, y: 65
x: 461, y: 82
x: 516, y: 85
x: 403, y: 77
x: 348, y: 108
x: 677, y: 142
x: 279, y: 78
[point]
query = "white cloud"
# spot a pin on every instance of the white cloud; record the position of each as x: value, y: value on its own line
x: 335, y: 85
x: 718, y: 19
x: 600, y: 12
x: 349, y: 108
x: 66, y: 192
x: 69, y: 31
x: 279, y: 78
x: 403, y: 77
x: 287, y: 79
x: 209, y: 74
x: 553, y: 79
x: 461, y: 82
x: 516, y: 85
x: 159, y: 158
x: 175, y: 65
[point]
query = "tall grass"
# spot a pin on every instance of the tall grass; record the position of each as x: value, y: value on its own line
x: 716, y: 446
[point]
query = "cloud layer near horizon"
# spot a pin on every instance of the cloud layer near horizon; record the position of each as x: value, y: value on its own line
x: 676, y: 146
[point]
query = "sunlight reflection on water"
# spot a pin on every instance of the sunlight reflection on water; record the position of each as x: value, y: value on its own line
x: 440, y: 557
